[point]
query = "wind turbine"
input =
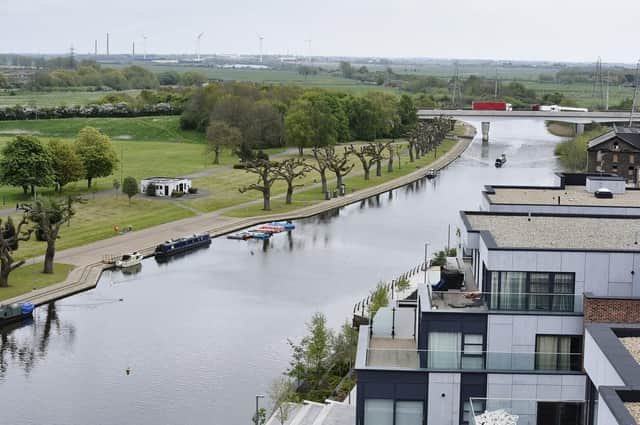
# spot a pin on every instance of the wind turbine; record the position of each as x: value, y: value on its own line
x: 144, y: 47
x: 198, y: 46
x: 261, y: 38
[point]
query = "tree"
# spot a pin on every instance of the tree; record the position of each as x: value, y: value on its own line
x: 339, y: 164
x: 379, y: 298
x: 96, y: 152
x: 282, y: 393
x: 346, y: 69
x: 267, y: 176
x: 391, y: 149
x: 345, y: 344
x: 376, y: 151
x: 298, y: 127
x: 321, y: 156
x: 49, y: 215
x: 289, y: 170
x: 130, y: 187
x: 67, y: 165
x: 219, y: 133
x: 261, y: 417
x: 27, y: 163
x: 407, y: 113
x: 311, y: 356
x: 150, y: 190
x: 10, y: 235
x: 364, y: 154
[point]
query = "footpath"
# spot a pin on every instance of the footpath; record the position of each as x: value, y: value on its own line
x: 87, y: 259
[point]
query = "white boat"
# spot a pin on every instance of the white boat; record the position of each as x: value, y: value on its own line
x: 129, y: 260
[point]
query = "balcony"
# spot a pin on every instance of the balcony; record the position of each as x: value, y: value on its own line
x: 536, y: 303
x: 490, y: 411
x: 385, y: 353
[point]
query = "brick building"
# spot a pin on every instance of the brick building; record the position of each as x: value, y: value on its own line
x: 617, y: 152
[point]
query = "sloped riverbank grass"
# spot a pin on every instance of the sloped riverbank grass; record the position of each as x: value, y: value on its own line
x: 27, y: 278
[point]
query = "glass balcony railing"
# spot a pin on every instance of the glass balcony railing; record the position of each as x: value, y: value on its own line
x: 483, y: 411
x: 389, y: 358
x: 500, y: 301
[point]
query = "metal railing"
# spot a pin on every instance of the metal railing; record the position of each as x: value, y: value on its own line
x: 503, y: 410
x: 501, y: 301
x: 472, y: 359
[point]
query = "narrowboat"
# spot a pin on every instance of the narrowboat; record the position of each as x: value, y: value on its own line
x: 15, y: 312
x: 129, y: 260
x: 179, y: 245
x: 501, y: 160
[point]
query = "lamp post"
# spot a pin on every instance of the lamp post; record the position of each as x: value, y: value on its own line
x: 257, y: 417
x: 426, y: 250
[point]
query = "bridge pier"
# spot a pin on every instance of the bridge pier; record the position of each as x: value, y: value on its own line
x: 485, y: 131
x: 579, y: 129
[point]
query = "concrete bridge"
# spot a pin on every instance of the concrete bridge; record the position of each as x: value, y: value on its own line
x: 570, y: 117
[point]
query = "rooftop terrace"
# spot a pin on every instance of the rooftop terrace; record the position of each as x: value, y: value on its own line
x: 580, y: 233
x: 570, y: 195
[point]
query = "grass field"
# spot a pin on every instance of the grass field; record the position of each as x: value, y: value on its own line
x: 55, y: 98
x: 157, y: 129
x: 27, y: 278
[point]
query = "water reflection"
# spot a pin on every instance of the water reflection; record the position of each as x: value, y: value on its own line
x: 23, y: 343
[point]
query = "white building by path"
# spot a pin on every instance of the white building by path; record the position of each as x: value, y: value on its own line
x: 165, y: 186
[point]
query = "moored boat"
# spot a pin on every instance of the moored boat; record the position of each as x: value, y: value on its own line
x: 501, y: 160
x: 241, y: 236
x: 179, y: 245
x: 431, y: 174
x: 257, y: 234
x: 129, y: 260
x: 285, y: 224
x: 271, y: 228
x: 15, y: 312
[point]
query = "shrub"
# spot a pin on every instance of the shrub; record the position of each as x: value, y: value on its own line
x: 402, y: 284
x: 177, y: 194
x: 239, y: 166
x: 151, y: 190
x: 193, y: 190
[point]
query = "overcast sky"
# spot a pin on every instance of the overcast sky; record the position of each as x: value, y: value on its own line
x: 567, y: 30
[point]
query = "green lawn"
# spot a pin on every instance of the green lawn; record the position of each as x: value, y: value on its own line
x: 27, y: 278
x: 157, y: 129
x: 55, y: 98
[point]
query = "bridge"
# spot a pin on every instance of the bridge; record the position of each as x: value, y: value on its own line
x: 569, y: 117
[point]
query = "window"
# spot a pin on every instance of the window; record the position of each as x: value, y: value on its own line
x: 472, y: 351
x: 537, y: 291
x: 558, y: 352
x: 444, y: 350
x: 614, y: 168
x: 614, y: 157
x: 378, y: 412
x: 632, y: 171
x: 555, y: 413
x: 382, y: 412
x: 409, y: 413
x: 478, y: 408
x: 632, y: 159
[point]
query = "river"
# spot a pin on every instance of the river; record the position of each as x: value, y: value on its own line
x: 206, y: 332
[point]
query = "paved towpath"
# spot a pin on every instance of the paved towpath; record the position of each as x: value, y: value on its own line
x: 88, y: 258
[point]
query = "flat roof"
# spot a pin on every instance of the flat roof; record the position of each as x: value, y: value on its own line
x: 165, y: 179
x: 569, y: 195
x: 555, y: 232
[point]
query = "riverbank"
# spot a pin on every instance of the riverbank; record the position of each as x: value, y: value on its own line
x: 87, y: 259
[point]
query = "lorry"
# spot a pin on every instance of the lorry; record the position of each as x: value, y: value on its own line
x: 557, y: 108
x: 491, y: 106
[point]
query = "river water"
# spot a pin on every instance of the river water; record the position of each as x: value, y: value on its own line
x: 204, y: 333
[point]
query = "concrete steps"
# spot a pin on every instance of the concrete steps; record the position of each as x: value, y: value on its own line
x: 312, y: 413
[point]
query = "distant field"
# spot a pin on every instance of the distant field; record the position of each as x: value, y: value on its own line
x: 55, y: 98
x: 158, y: 129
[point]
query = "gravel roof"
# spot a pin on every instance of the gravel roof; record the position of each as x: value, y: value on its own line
x: 570, y: 195
x: 559, y: 232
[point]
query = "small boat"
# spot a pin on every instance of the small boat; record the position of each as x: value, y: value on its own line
x: 501, y: 160
x: 240, y: 236
x: 287, y: 226
x: 256, y: 234
x: 129, y: 260
x: 431, y: 174
x: 15, y: 312
x: 179, y: 245
x: 271, y: 228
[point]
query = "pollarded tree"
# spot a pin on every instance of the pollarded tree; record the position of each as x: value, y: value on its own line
x: 97, y: 153
x: 391, y: 149
x: 376, y: 150
x: 27, y: 163
x: 130, y: 187
x: 220, y: 134
x: 10, y: 236
x: 338, y: 164
x: 267, y: 176
x: 67, y: 165
x: 48, y: 216
x: 289, y: 170
x: 321, y: 155
x: 364, y: 154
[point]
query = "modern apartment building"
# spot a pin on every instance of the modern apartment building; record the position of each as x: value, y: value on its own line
x: 511, y: 339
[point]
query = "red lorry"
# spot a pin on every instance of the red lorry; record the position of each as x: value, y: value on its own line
x: 491, y: 106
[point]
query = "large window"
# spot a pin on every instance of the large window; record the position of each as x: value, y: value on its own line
x: 558, y: 352
x: 532, y: 291
x: 455, y: 350
x: 382, y: 412
x: 554, y: 413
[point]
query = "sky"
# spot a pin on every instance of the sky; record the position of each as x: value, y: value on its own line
x: 555, y: 30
